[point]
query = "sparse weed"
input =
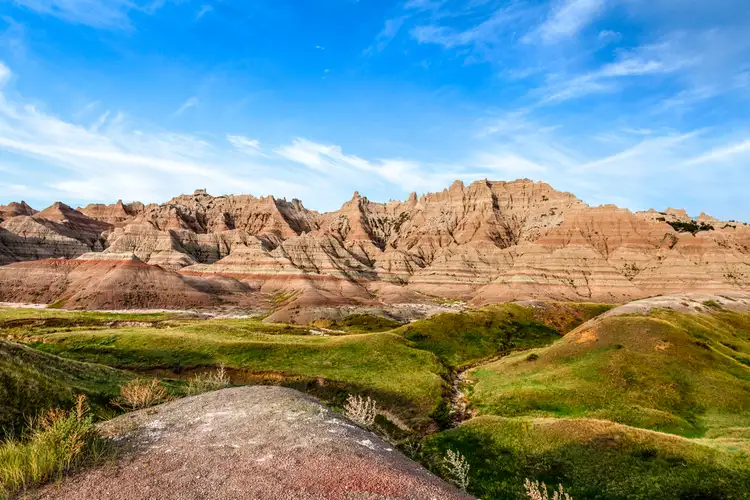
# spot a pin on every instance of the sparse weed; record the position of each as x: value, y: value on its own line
x: 538, y: 491
x: 206, y: 382
x: 457, y: 469
x: 140, y: 393
x: 361, y: 410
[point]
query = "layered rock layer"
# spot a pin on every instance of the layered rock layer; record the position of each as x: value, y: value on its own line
x: 486, y: 242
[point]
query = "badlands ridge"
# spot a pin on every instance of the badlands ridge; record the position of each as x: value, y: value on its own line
x: 483, y: 243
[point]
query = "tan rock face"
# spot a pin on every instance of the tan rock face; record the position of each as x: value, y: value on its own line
x: 14, y: 209
x: 486, y: 242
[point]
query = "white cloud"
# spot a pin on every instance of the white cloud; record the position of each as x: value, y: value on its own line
x: 486, y: 33
x: 5, y: 74
x: 721, y: 154
x: 386, y: 35
x: 99, y: 123
x: 205, y: 9
x: 645, y: 60
x: 567, y: 18
x: 665, y: 148
x: 251, y: 147
x: 331, y: 160
x: 190, y: 103
x: 108, y: 14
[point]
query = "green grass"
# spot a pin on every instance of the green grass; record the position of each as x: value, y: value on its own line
x: 460, y: 339
x: 60, y: 441
x: 384, y: 364
x: 681, y: 373
x: 566, y: 316
x: 593, y: 459
x: 552, y: 412
x: 32, y: 382
x: 361, y: 323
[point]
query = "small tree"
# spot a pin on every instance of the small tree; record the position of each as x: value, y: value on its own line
x: 361, y: 410
x: 538, y: 491
x: 457, y: 468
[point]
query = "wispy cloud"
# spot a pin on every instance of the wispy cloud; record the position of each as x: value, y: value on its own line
x: 722, y: 154
x: 107, y: 14
x: 482, y: 35
x: 566, y: 19
x: 386, y: 35
x: 191, y: 102
x: 250, y: 147
x: 651, y: 59
x: 205, y: 9
x: 332, y: 161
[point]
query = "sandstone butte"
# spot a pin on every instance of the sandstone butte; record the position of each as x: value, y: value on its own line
x: 483, y: 243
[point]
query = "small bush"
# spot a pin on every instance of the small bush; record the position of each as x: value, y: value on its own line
x: 712, y: 304
x: 140, y: 393
x: 538, y: 491
x: 361, y: 410
x: 59, y: 441
x: 692, y: 226
x: 532, y: 357
x: 457, y: 469
x: 207, y: 382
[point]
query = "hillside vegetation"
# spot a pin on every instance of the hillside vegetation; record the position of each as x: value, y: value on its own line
x: 403, y: 378
x: 594, y: 459
x: 682, y: 373
x: 32, y: 382
x: 649, y: 405
x: 460, y: 339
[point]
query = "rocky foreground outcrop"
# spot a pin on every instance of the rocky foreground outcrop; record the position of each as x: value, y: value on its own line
x: 251, y: 442
x: 486, y: 242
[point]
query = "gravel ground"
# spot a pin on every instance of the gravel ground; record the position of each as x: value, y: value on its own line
x: 249, y: 443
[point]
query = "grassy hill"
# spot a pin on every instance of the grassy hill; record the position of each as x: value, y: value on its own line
x: 679, y: 382
x: 669, y: 371
x: 460, y: 339
x: 594, y: 459
x: 408, y: 380
x: 32, y: 381
x: 655, y: 405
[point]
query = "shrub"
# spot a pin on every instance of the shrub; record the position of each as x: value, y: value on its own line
x: 692, y: 226
x: 532, y: 357
x: 361, y: 410
x: 140, y: 393
x: 206, y: 382
x: 538, y: 491
x: 457, y: 469
x: 59, y: 441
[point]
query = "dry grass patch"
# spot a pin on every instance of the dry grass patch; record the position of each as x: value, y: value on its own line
x: 140, y: 393
x: 208, y: 381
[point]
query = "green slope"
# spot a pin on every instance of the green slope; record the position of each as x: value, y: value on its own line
x: 460, y: 339
x: 669, y: 371
x: 594, y: 459
x: 32, y: 381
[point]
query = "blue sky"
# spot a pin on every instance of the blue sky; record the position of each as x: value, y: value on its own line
x: 641, y: 103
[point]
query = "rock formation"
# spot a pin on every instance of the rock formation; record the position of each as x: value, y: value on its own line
x: 486, y: 242
x: 249, y: 442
